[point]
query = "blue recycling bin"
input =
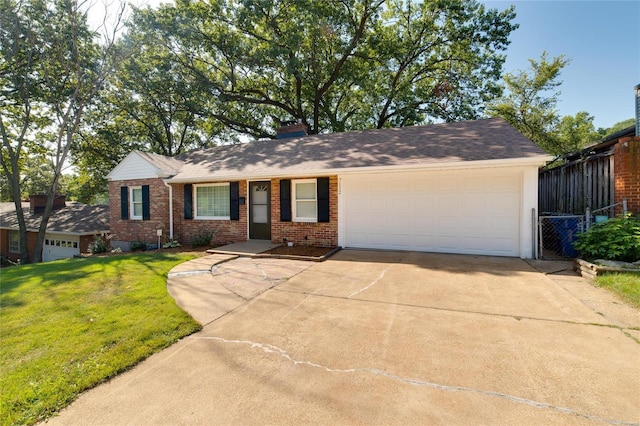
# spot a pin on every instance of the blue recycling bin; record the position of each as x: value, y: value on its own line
x: 566, y: 230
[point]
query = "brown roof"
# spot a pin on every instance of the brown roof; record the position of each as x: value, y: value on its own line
x: 75, y: 218
x: 466, y: 141
x: 169, y: 165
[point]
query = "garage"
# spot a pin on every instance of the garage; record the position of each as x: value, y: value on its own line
x: 470, y: 211
x: 60, y: 246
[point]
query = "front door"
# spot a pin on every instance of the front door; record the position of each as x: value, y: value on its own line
x: 260, y: 210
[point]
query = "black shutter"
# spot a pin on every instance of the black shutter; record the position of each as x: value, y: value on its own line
x: 234, y: 200
x: 146, y: 208
x: 124, y: 202
x: 323, y: 199
x: 285, y: 200
x: 188, y: 201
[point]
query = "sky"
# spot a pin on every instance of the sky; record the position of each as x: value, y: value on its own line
x: 601, y: 38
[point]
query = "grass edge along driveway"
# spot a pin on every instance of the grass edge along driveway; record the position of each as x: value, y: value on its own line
x: 69, y: 325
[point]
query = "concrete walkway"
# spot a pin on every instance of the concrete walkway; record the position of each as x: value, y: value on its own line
x: 383, y: 338
x: 211, y: 286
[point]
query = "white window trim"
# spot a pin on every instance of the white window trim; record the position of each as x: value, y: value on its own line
x: 195, y: 202
x: 14, y: 249
x: 132, y: 216
x: 294, y: 200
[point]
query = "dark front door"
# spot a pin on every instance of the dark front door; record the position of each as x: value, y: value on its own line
x: 260, y: 210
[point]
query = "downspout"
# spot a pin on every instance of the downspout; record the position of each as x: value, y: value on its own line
x: 170, y: 208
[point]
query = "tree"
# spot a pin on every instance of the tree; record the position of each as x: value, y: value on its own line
x: 336, y: 64
x: 149, y: 102
x: 530, y: 102
x: 620, y: 125
x: 575, y: 132
x: 50, y: 70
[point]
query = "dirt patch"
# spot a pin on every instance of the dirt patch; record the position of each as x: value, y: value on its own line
x: 306, y: 251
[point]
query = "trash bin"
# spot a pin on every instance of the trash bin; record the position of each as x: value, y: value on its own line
x: 566, y: 231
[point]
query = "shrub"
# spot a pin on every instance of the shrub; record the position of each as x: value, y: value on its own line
x: 201, y: 240
x: 99, y: 245
x: 615, y: 239
x: 137, y: 246
x: 171, y: 244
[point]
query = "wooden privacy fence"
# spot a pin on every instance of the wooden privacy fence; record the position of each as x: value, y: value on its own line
x: 574, y: 187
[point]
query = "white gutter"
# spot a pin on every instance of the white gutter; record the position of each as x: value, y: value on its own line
x: 170, y: 208
x: 453, y: 165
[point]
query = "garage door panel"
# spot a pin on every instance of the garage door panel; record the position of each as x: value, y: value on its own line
x: 60, y: 246
x: 461, y: 212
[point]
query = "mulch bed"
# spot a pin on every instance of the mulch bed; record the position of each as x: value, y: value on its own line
x: 306, y: 251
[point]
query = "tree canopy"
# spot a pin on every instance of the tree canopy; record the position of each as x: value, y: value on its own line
x: 530, y: 105
x: 50, y: 70
x: 337, y: 65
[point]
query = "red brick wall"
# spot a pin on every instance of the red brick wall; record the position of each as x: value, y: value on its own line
x: 85, y: 240
x: 224, y: 231
x: 32, y: 237
x: 304, y: 233
x: 627, y: 173
x: 4, y: 245
x: 140, y: 230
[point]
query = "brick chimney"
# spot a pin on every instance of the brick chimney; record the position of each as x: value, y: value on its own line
x: 38, y: 202
x: 292, y: 129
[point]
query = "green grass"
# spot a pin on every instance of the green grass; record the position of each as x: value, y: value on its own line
x: 66, y: 326
x: 626, y: 285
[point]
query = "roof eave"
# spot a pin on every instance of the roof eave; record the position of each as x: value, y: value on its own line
x: 534, y: 161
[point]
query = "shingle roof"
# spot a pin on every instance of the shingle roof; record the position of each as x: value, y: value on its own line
x: 75, y: 218
x: 169, y: 165
x: 490, y: 139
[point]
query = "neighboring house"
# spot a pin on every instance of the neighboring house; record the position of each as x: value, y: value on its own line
x: 70, y: 230
x: 467, y: 187
x: 598, y: 176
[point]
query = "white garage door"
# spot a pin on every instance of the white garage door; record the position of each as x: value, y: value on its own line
x: 60, y: 246
x: 466, y: 211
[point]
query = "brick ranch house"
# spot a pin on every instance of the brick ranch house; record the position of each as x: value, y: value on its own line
x: 466, y: 187
x: 72, y: 227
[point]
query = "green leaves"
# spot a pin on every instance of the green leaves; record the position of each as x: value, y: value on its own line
x: 530, y: 106
x: 50, y: 70
x: 337, y: 65
x: 615, y: 239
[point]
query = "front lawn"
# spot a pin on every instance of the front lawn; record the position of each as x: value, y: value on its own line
x: 66, y: 326
x: 626, y: 285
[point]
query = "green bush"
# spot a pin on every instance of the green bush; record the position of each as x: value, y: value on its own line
x: 137, y: 246
x: 171, y: 244
x: 615, y: 239
x: 201, y: 240
x: 99, y: 245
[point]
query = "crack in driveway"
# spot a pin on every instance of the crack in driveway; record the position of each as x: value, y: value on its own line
x: 271, y: 349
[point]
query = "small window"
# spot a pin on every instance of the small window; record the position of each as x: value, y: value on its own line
x: 212, y: 201
x: 75, y: 244
x: 46, y: 242
x: 305, y: 200
x: 14, y: 241
x: 136, y: 202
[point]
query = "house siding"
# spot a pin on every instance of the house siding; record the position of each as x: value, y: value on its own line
x: 305, y: 233
x: 32, y: 238
x: 224, y: 231
x: 125, y: 231
x: 230, y: 231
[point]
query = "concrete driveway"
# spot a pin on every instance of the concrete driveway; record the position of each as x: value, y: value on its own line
x: 383, y: 338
